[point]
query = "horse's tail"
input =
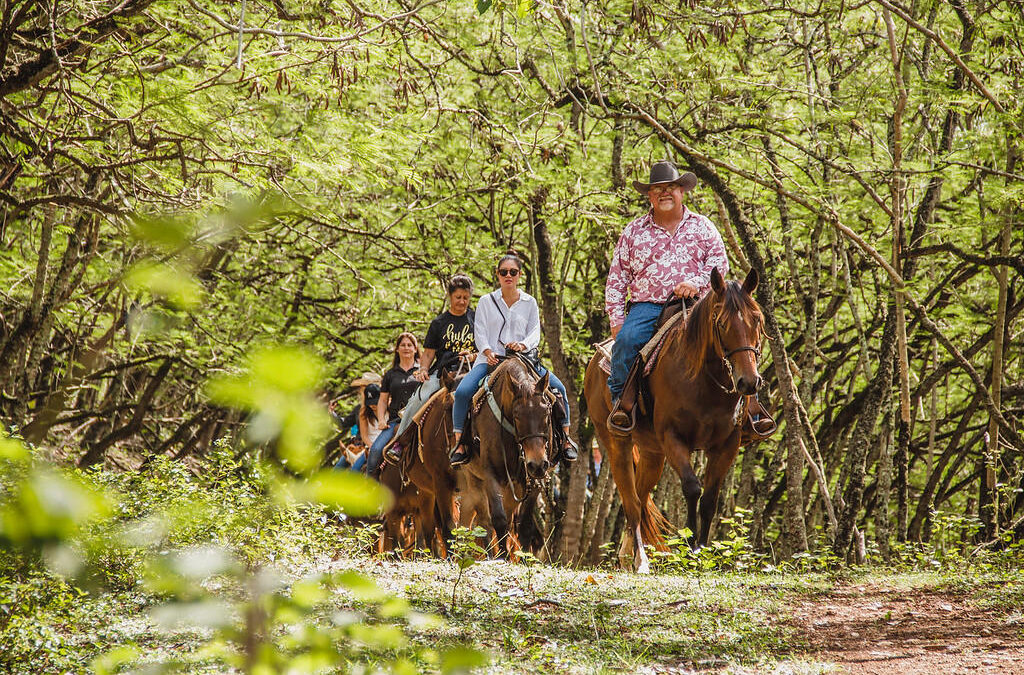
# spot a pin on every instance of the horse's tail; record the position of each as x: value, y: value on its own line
x: 653, y: 524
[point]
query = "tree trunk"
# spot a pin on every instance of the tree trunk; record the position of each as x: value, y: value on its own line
x: 572, y: 522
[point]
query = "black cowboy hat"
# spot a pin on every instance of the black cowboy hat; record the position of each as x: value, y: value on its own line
x: 666, y: 172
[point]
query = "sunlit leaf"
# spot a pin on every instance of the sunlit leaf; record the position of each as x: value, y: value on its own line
x: 111, y: 661
x: 361, y: 586
x: 178, y: 288
x: 288, y: 369
x: 308, y: 593
x: 381, y: 636
x: 13, y: 450
x: 349, y: 491
x: 462, y: 660
x: 168, y: 233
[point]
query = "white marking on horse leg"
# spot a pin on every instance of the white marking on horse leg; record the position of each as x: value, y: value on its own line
x: 644, y: 567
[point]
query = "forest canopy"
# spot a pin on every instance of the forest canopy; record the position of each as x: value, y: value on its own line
x: 185, y: 182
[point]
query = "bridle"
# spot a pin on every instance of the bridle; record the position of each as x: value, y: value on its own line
x: 509, y: 428
x: 731, y: 389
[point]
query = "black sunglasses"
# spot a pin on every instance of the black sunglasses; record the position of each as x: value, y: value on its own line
x: 508, y: 272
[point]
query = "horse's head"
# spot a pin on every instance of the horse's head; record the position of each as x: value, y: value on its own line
x: 726, y: 326
x: 738, y: 326
x: 531, y: 417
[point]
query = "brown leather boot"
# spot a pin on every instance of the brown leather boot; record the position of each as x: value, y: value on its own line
x: 622, y: 418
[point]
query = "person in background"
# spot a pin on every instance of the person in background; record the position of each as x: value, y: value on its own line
x: 396, y: 388
x: 450, y: 336
x: 507, y: 321
x: 366, y: 427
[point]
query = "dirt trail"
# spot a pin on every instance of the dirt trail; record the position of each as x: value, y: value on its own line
x: 869, y: 630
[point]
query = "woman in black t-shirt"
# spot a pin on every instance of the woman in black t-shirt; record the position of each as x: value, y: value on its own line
x: 398, y: 385
x: 449, y: 336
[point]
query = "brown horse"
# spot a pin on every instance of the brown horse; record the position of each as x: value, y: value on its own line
x: 698, y: 386
x: 427, y: 465
x: 514, y: 428
x: 409, y: 501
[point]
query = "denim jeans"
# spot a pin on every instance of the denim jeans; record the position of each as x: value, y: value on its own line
x: 464, y: 393
x: 375, y: 454
x: 640, y: 325
x: 357, y: 466
x: 416, y: 401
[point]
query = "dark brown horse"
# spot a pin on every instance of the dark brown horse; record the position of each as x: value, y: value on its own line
x: 514, y: 429
x: 698, y: 386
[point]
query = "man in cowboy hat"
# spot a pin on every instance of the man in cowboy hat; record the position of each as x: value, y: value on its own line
x: 668, y: 251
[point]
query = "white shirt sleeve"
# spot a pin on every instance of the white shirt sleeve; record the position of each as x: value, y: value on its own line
x: 483, y: 326
x: 532, y: 338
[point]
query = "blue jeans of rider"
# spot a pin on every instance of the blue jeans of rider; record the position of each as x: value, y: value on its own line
x: 471, y: 382
x: 640, y: 325
x: 375, y: 454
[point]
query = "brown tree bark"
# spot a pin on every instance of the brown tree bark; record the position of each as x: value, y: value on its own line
x: 572, y: 521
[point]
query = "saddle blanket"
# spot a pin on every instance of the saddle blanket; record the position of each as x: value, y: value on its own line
x: 649, y: 352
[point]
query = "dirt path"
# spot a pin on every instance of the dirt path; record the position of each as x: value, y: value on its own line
x: 868, y: 630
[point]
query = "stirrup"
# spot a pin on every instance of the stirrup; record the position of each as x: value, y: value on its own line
x: 763, y: 426
x: 620, y: 421
x: 570, y: 451
x: 393, y: 454
x: 458, y: 456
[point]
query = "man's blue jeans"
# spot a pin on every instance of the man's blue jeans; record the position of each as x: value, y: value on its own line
x: 640, y: 326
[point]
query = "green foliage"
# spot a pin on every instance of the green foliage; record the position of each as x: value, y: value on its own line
x: 182, y: 540
x: 731, y: 551
x: 465, y: 551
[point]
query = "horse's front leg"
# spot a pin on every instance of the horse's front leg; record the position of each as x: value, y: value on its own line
x: 499, y: 518
x: 720, y: 460
x: 648, y: 473
x: 678, y: 454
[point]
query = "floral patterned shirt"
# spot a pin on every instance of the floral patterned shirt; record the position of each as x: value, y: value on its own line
x: 649, y: 262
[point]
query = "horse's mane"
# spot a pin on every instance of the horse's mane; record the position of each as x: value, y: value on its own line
x: 519, y: 380
x: 698, y: 339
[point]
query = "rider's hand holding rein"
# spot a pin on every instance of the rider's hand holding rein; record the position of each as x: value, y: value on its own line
x: 515, y: 347
x: 685, y: 290
x: 492, y: 360
x: 422, y: 375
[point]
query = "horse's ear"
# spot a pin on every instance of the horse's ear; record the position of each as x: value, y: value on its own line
x: 717, y: 282
x: 542, y: 383
x: 447, y: 379
x: 750, y: 283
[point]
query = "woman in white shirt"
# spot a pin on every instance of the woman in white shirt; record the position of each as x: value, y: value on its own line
x: 507, y: 320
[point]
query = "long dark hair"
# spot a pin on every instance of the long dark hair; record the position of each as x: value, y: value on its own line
x: 415, y: 343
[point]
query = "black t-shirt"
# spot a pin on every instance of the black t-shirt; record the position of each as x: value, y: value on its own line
x: 449, y: 335
x: 399, y: 385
